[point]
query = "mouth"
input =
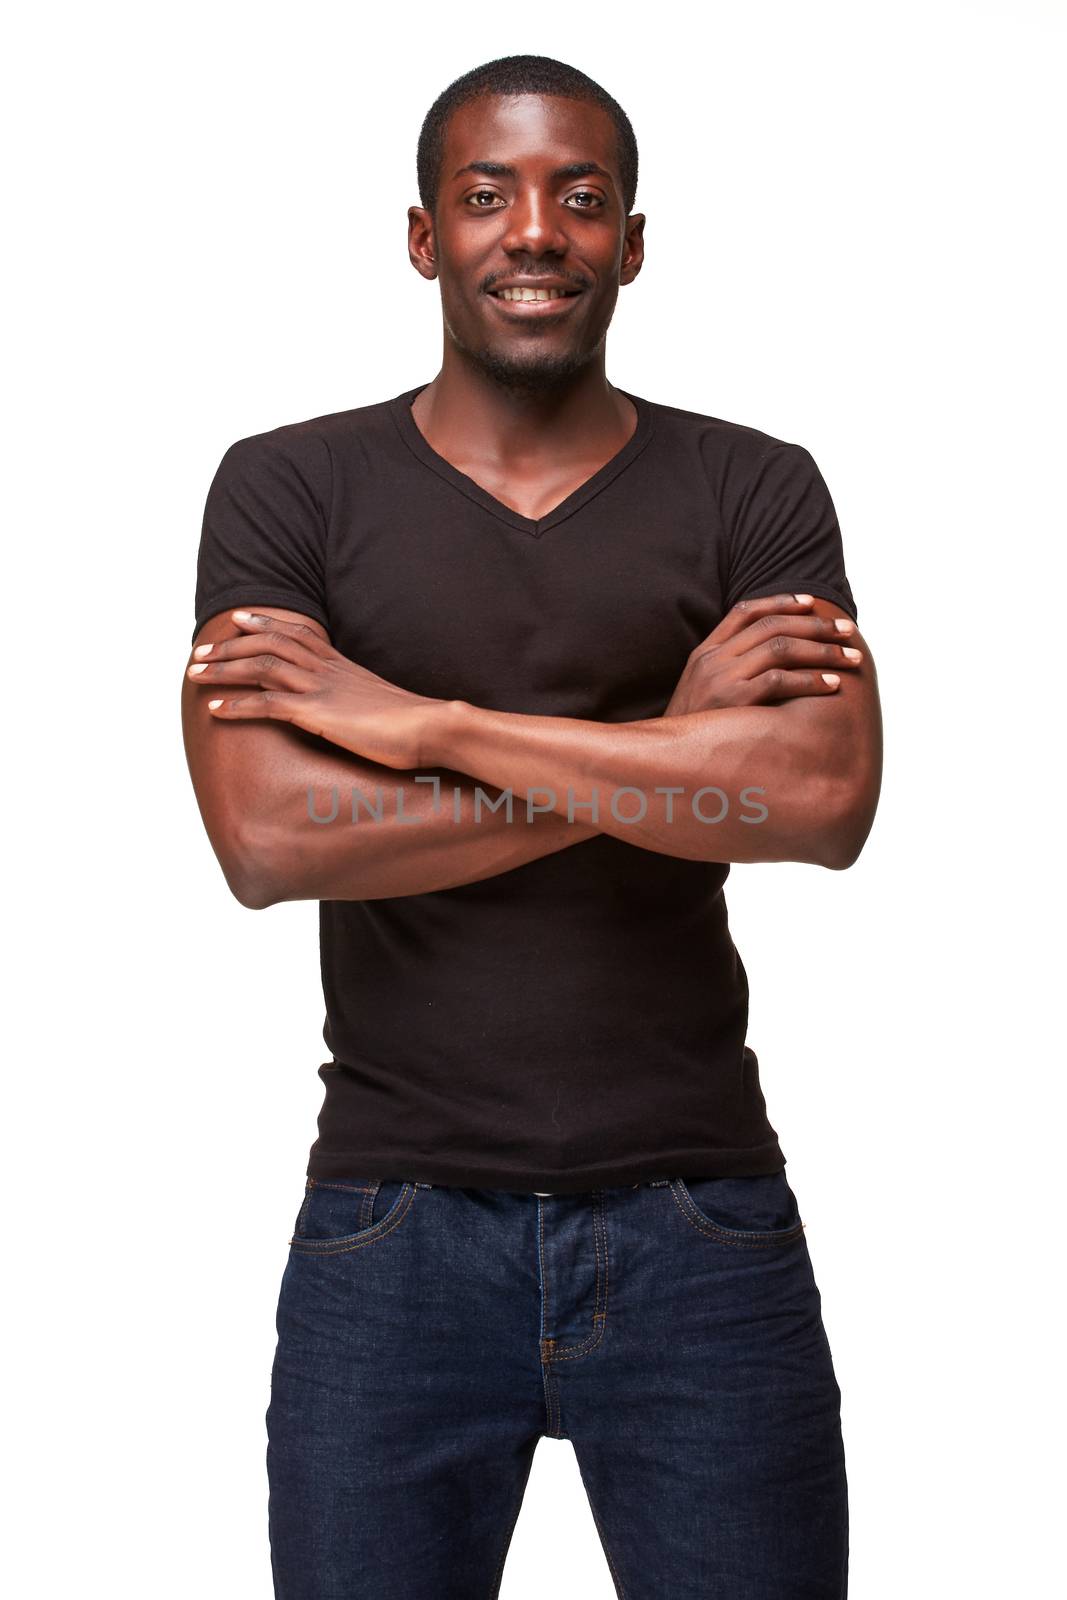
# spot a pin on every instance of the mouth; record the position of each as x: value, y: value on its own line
x: 527, y: 302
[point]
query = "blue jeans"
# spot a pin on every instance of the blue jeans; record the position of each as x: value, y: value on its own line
x: 429, y: 1336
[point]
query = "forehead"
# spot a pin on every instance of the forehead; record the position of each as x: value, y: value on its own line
x: 528, y: 131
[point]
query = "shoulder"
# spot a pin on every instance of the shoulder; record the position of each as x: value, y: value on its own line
x: 739, y: 441
x: 732, y: 453
x: 338, y: 428
x: 312, y: 450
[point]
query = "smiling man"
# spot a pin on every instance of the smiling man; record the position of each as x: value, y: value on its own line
x: 505, y: 671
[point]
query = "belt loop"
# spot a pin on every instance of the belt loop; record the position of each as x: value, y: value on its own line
x: 366, y: 1216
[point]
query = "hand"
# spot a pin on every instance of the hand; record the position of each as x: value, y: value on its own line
x: 759, y: 653
x: 305, y: 681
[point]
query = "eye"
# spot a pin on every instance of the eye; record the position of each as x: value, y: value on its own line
x: 587, y: 194
x: 482, y: 194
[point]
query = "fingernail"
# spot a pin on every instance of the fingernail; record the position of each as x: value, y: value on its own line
x: 853, y: 655
x: 843, y: 624
x: 201, y: 668
x: 201, y: 650
x: 804, y: 599
x: 243, y: 616
x: 214, y: 704
x: 828, y: 677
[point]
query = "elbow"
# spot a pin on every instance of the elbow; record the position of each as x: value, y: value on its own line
x: 847, y: 825
x: 254, y: 893
x: 250, y: 870
x: 840, y: 852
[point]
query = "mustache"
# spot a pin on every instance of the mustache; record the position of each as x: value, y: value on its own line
x: 572, y: 280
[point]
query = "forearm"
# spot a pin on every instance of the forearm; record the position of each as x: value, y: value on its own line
x: 328, y: 825
x: 723, y: 766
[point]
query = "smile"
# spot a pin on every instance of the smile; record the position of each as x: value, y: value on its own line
x: 533, y: 294
x: 524, y: 302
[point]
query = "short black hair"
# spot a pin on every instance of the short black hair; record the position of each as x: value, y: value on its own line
x: 520, y: 75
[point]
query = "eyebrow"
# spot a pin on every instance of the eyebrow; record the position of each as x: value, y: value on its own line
x: 497, y: 169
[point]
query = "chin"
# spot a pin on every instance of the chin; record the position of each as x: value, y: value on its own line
x: 531, y: 372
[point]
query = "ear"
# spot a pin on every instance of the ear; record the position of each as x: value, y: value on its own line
x: 421, y: 250
x: 633, y: 248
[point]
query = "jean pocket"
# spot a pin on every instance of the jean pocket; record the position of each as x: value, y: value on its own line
x: 339, y: 1214
x: 750, y: 1212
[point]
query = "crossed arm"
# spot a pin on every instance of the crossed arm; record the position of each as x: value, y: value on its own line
x: 756, y: 758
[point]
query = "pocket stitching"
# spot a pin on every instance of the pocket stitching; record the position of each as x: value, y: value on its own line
x: 739, y: 1238
x: 356, y: 1241
x: 298, y: 1227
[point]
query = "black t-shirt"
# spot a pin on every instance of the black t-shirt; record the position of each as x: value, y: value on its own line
x: 579, y: 1021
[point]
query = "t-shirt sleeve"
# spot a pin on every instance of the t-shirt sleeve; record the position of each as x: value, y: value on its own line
x: 785, y: 534
x: 263, y: 540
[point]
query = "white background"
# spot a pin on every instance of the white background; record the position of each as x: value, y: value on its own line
x: 850, y: 244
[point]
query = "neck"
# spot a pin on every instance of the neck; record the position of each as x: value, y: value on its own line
x: 467, y: 409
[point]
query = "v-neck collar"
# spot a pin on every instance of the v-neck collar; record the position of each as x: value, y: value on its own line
x: 400, y: 408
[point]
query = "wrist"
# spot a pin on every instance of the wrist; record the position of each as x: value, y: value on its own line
x: 444, y: 722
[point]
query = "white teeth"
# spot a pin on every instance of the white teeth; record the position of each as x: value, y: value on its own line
x: 526, y: 293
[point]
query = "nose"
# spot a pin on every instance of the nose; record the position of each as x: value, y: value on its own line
x: 533, y: 225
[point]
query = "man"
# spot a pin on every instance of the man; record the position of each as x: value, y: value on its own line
x: 505, y: 671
